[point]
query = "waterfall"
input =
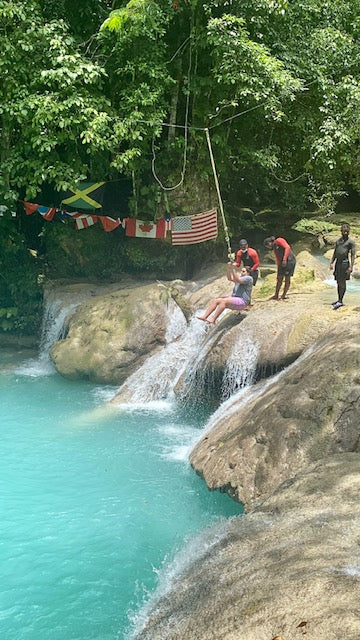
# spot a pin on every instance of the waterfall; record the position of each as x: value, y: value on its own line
x: 157, y: 377
x: 239, y: 370
x: 185, y: 354
x: 54, y: 325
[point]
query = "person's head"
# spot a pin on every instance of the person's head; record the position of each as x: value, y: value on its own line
x: 243, y: 244
x: 269, y: 242
x: 345, y: 230
x: 246, y: 271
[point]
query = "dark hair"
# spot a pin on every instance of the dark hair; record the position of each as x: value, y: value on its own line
x: 269, y: 240
x: 243, y: 242
x: 248, y: 269
x: 345, y: 226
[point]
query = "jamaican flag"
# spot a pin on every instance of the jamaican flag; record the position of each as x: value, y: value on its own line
x: 85, y: 195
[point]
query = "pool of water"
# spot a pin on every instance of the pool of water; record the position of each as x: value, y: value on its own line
x: 94, y: 500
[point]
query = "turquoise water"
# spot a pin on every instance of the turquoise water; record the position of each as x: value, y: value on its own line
x: 93, y: 502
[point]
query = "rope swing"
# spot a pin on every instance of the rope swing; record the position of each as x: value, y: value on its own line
x: 226, y: 232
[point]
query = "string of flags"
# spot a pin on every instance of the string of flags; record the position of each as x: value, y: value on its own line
x: 191, y: 229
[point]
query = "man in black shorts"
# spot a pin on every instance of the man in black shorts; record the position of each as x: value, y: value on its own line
x: 343, y: 265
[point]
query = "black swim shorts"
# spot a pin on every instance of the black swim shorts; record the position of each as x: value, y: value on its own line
x: 341, y: 270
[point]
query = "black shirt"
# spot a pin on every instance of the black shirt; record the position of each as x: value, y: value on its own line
x: 342, y: 249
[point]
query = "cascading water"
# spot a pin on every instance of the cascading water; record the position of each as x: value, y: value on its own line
x: 240, y: 367
x: 186, y: 353
x: 157, y: 377
x: 54, y: 325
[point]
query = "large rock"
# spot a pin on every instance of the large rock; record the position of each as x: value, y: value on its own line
x: 305, y: 413
x: 275, y: 333
x: 110, y: 336
x: 289, y: 569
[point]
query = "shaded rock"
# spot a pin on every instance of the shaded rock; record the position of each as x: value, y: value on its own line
x: 110, y: 336
x: 306, y: 412
x: 290, y: 567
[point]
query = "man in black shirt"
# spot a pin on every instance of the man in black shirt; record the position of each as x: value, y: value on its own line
x: 343, y: 265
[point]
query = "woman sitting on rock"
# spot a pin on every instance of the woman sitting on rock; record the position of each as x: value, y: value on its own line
x: 239, y: 300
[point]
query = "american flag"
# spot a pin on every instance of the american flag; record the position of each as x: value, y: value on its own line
x: 194, y: 229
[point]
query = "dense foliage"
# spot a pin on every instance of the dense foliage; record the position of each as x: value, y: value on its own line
x: 84, y: 88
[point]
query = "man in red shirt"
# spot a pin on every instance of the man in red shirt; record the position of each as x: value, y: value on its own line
x: 285, y: 261
x: 249, y: 257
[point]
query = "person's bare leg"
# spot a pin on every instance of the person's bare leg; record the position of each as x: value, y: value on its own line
x: 212, y: 306
x: 341, y: 287
x: 220, y: 308
x: 286, y: 287
x: 278, y: 287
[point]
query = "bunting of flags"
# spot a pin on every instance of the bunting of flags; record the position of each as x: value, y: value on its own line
x: 184, y: 229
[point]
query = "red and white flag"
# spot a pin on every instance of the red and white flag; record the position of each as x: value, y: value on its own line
x: 83, y: 221
x: 109, y: 224
x: 140, y: 229
x: 30, y: 207
x: 46, y: 212
x: 194, y: 229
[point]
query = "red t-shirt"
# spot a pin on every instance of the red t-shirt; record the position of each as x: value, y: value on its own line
x: 281, y: 249
x: 251, y: 260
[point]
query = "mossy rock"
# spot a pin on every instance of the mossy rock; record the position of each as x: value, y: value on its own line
x: 301, y: 279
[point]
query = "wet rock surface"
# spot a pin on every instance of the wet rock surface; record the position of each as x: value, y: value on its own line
x: 308, y: 411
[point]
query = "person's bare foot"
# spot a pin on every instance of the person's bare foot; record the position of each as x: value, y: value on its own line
x: 211, y: 321
x: 274, y: 298
x: 284, y: 298
x: 201, y: 318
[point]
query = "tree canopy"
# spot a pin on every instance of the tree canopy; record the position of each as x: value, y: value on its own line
x: 85, y: 88
x: 105, y: 89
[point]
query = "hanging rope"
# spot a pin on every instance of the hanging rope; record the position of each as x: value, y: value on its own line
x: 290, y: 181
x: 226, y: 232
x: 186, y: 133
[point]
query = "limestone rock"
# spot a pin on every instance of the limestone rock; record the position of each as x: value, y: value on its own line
x: 290, y: 570
x: 307, y: 412
x: 111, y: 335
x: 278, y: 331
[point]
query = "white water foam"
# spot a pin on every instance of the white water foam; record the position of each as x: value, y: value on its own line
x: 177, y: 442
x: 172, y: 569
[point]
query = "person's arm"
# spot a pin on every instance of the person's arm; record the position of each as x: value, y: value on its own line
x: 353, y: 256
x: 254, y: 255
x: 230, y: 272
x: 285, y: 245
x: 237, y: 278
x: 238, y: 259
x: 333, y: 258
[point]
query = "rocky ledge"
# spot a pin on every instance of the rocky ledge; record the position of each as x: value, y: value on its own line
x: 290, y: 569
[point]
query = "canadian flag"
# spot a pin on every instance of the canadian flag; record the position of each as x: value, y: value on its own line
x: 140, y: 229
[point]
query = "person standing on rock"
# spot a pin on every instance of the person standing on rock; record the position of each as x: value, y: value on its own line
x: 239, y: 300
x: 285, y: 260
x: 249, y: 257
x: 343, y: 265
